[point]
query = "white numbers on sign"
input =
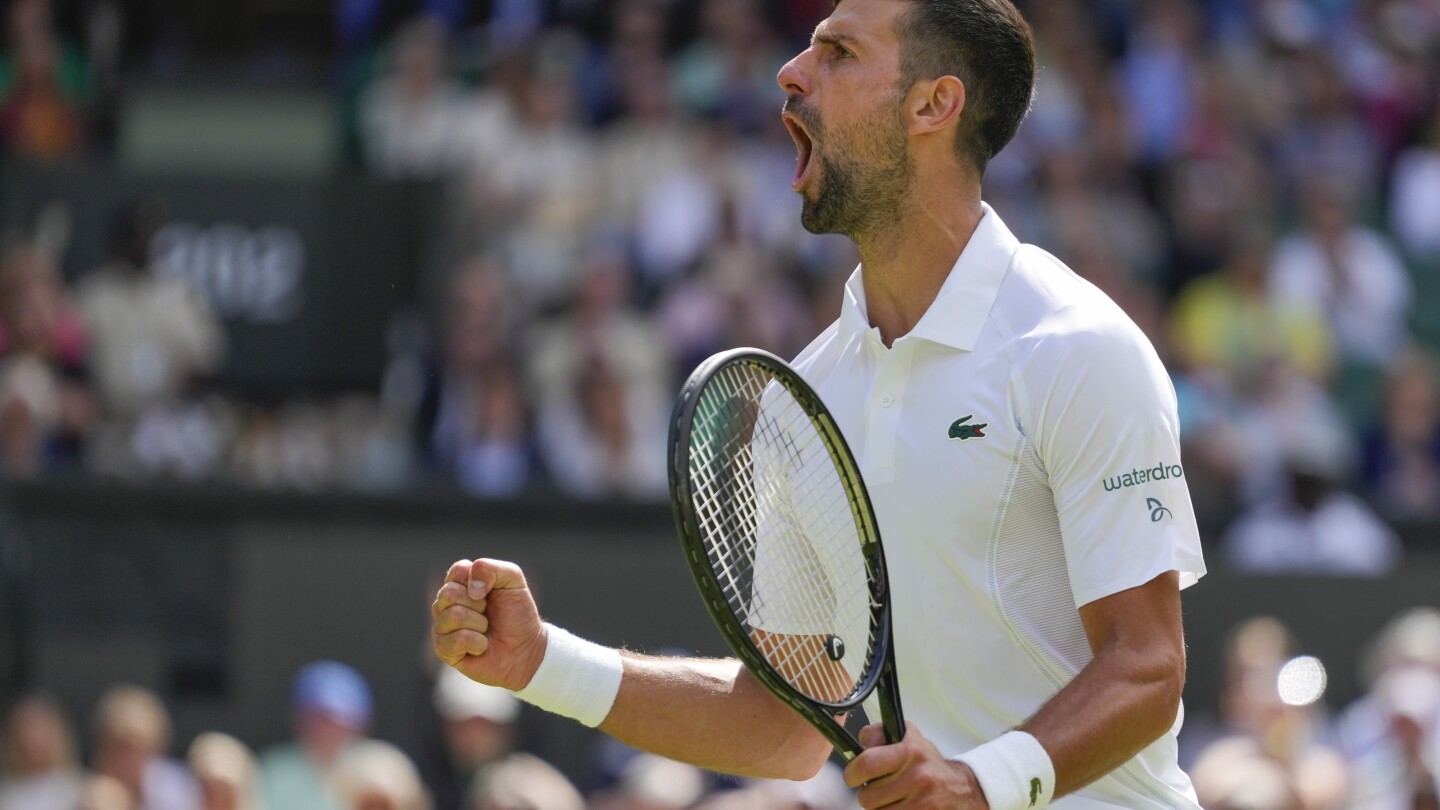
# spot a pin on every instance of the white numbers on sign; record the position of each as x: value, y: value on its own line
x: 251, y: 274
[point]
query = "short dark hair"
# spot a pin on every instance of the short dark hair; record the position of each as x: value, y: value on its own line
x: 987, y: 45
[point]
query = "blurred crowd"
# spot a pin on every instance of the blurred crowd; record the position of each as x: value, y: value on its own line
x: 1255, y: 182
x: 333, y: 762
x: 1272, y: 741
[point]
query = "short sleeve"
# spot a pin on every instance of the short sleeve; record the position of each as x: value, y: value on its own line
x: 1105, y: 428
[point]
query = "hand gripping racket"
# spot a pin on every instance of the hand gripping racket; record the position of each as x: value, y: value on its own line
x: 781, y: 538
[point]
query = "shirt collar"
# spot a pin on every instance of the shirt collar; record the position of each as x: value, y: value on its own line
x: 963, y: 304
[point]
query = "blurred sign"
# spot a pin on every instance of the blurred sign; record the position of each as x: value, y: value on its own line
x: 254, y: 275
x: 306, y: 274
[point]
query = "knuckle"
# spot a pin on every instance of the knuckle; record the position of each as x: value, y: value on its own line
x: 455, y: 615
x: 924, y: 779
x: 475, y: 643
x: 444, y: 646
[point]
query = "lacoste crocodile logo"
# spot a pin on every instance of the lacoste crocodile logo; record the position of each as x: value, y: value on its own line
x: 960, y: 430
x: 1034, y: 791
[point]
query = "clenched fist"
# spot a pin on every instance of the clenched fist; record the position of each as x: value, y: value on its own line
x: 486, y: 624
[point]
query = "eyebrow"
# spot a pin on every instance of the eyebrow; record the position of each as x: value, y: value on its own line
x: 830, y: 38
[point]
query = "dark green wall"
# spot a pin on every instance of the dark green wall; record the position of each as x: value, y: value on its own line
x: 215, y: 598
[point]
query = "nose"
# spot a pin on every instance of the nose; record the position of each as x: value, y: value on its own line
x: 793, y: 78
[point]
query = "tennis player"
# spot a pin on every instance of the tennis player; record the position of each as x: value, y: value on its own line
x: 1016, y: 432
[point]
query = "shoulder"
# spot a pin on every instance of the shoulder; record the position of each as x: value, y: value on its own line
x: 1055, y: 319
x: 820, y: 353
x: 1074, y: 353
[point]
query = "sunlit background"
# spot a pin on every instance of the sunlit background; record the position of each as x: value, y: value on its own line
x: 301, y: 300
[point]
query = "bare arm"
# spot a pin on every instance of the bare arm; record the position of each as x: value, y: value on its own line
x: 712, y: 713
x: 707, y: 712
x: 1128, y: 695
x: 1123, y: 700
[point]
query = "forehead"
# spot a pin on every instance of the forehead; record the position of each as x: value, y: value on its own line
x: 870, y: 21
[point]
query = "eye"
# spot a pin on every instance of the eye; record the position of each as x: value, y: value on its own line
x: 841, y: 52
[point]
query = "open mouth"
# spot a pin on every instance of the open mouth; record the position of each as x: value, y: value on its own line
x: 804, y: 147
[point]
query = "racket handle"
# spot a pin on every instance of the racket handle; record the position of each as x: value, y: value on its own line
x: 891, y: 715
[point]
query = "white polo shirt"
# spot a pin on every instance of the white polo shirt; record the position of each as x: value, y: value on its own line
x: 1022, y: 451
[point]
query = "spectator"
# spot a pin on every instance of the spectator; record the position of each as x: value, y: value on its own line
x: 530, y: 190
x: 1234, y: 777
x: 1391, y: 735
x: 646, y: 146
x: 523, y: 782
x: 1226, y: 329
x: 1411, y: 638
x: 1080, y: 214
x: 46, y: 409
x: 650, y: 782
x: 600, y: 324
x: 605, y: 440
x: 478, y: 723
x: 331, y: 704
x: 1397, y: 768
x: 1402, y: 450
x: 416, y: 120
x: 1311, y: 527
x: 728, y: 72
x: 1415, y: 197
x: 736, y: 297
x: 44, y: 87
x: 40, y: 771
x: 132, y: 736
x: 106, y: 793
x: 1159, y: 76
x: 152, y: 335
x: 1275, y: 740
x: 1326, y: 136
x: 1349, y: 272
x: 602, y: 385
x: 474, y: 421
x: 226, y: 771
x: 375, y: 775
x: 634, y: 48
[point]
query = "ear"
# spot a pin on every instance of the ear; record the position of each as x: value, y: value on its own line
x: 934, y: 104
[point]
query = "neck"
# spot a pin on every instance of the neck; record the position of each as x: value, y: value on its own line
x: 906, y: 264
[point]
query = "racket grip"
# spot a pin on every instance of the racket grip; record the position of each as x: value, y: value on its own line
x: 891, y: 715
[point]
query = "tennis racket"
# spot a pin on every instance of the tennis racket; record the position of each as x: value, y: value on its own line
x: 781, y: 539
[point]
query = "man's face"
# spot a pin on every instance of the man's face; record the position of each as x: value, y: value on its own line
x: 844, y: 112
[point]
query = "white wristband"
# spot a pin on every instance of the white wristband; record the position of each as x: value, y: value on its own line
x: 578, y: 679
x: 1014, y: 771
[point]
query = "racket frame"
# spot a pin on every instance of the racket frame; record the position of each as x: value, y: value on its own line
x: 820, y: 714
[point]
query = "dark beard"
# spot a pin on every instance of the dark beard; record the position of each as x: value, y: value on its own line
x: 862, y: 184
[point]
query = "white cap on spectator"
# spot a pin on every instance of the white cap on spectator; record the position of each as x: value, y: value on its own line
x: 457, y: 697
x: 1412, y: 637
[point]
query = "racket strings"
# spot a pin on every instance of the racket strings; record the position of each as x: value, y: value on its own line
x: 780, y: 534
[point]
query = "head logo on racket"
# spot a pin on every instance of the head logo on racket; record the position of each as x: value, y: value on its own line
x: 835, y: 647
